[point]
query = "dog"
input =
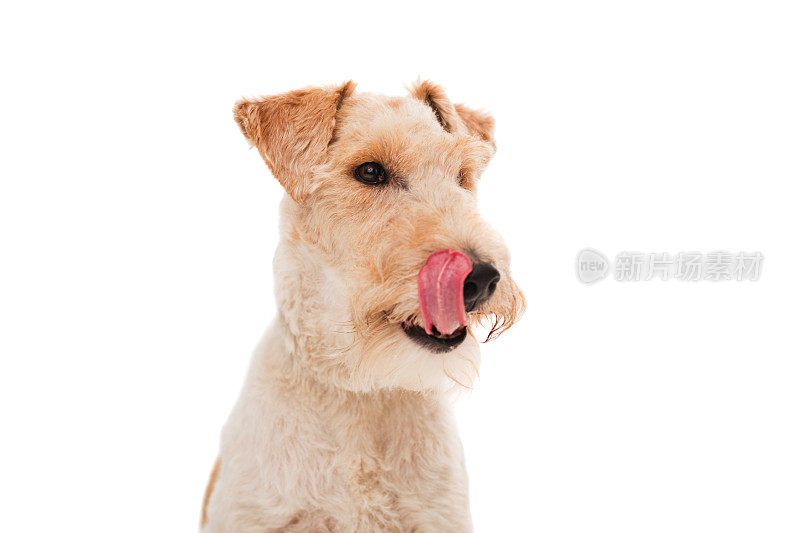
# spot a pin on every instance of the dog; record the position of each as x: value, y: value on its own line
x: 383, y: 269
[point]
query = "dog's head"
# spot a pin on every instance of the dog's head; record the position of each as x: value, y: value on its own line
x: 384, y: 263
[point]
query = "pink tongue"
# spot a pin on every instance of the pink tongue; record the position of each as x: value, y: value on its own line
x: 441, y: 291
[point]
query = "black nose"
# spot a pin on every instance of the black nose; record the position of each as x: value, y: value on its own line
x: 480, y: 285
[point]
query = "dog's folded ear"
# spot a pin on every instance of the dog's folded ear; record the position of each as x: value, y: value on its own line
x: 454, y: 118
x: 292, y: 131
x: 434, y: 97
x: 477, y: 123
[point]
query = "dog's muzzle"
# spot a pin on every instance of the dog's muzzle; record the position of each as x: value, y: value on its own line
x: 449, y: 286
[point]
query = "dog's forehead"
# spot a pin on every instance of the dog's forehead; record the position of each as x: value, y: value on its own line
x: 404, y: 133
x: 369, y: 115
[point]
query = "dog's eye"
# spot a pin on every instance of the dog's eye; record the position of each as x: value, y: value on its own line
x: 371, y: 173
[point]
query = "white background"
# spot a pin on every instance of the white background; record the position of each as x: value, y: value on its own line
x: 137, y: 230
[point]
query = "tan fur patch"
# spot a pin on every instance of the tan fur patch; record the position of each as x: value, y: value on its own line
x: 477, y: 122
x: 292, y: 130
x: 212, y: 480
x: 434, y: 97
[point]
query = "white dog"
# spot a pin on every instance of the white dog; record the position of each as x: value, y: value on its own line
x: 383, y: 266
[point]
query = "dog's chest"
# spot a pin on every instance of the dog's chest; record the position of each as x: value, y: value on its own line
x: 401, y: 469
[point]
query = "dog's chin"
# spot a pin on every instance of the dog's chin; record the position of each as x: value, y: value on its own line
x: 436, y: 342
x: 396, y: 356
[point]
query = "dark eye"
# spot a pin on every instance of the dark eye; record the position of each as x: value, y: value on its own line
x: 370, y: 173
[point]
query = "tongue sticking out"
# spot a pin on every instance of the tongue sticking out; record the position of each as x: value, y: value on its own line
x: 441, y: 291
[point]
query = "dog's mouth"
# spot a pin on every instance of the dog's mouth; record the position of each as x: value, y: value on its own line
x: 435, y: 342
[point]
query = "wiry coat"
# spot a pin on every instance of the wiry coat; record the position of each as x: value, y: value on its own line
x: 344, y: 423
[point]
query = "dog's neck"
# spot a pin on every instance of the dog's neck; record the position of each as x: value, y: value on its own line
x: 279, y: 363
x: 311, y: 302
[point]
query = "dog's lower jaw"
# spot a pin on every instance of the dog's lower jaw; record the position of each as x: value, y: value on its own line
x: 435, y: 343
x: 297, y: 452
